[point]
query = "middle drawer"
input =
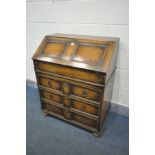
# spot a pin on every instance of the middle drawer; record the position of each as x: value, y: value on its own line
x: 85, y: 93
x: 69, y: 88
x: 81, y: 106
x: 51, y: 96
x: 70, y: 102
x: 50, y: 83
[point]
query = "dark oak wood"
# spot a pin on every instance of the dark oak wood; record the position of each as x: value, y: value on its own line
x: 75, y: 77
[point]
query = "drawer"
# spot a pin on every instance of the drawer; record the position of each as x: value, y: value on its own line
x: 52, y: 108
x: 82, y: 106
x: 50, y: 83
x: 90, y: 76
x: 84, y: 120
x: 51, y: 96
x: 86, y: 93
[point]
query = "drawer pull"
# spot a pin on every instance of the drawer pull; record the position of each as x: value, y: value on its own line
x: 84, y: 93
x: 51, y: 97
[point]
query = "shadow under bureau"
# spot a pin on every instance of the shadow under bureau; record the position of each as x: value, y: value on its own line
x: 75, y: 77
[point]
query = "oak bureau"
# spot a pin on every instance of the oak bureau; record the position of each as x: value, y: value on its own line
x: 75, y: 77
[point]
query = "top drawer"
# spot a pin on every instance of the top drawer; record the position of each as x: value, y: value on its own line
x: 70, y: 72
x: 49, y: 83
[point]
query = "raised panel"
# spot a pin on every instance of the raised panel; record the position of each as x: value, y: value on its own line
x: 86, y: 93
x: 50, y: 83
x: 52, y: 108
x: 90, y: 54
x: 54, y: 49
x: 51, y: 96
x: 82, y: 106
x: 84, y: 120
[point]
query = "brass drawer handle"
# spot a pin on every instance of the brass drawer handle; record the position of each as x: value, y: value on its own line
x: 84, y: 93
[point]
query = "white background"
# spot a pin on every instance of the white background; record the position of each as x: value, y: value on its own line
x: 13, y: 68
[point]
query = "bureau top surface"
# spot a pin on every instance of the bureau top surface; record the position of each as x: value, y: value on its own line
x: 86, y: 52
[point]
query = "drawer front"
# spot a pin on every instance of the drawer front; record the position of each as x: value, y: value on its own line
x: 53, y: 108
x: 85, y: 93
x: 50, y: 83
x: 70, y: 72
x: 82, y: 106
x: 51, y: 96
x: 84, y: 120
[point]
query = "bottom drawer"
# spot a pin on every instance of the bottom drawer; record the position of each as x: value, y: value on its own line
x: 53, y: 108
x: 70, y: 116
x: 83, y: 106
x: 84, y: 120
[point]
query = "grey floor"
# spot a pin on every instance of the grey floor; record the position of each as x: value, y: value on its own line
x: 50, y: 136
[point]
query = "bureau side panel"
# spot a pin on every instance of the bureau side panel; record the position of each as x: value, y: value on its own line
x: 109, y: 80
x: 106, y: 101
x: 37, y: 80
